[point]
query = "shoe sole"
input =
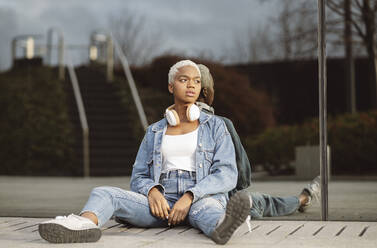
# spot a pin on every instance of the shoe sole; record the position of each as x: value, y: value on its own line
x: 237, y: 210
x: 303, y: 208
x: 56, y: 233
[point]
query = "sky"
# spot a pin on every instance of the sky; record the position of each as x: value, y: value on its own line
x: 191, y: 27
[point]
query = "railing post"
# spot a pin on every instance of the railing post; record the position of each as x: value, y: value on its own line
x: 101, y: 48
x: 61, y: 58
x: 323, y: 107
x: 110, y: 59
x: 29, y: 49
x: 49, y: 46
x: 61, y: 66
x: 28, y: 45
x: 14, y: 50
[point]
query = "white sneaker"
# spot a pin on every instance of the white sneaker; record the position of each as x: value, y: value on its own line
x: 69, y: 229
x: 313, y: 191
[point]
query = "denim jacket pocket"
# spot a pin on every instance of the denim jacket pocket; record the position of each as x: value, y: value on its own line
x: 208, y: 155
x: 208, y: 159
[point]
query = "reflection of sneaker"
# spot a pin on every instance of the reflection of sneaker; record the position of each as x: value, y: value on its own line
x: 237, y: 210
x: 69, y: 229
x: 313, y: 191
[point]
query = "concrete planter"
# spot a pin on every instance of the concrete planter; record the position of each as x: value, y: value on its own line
x: 307, y: 162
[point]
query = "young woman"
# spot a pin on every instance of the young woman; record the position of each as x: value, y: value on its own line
x: 183, y: 172
x: 264, y: 205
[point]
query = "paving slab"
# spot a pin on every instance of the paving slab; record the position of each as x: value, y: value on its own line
x: 23, y: 232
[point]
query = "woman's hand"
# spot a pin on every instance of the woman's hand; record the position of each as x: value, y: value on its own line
x: 180, y: 209
x: 158, y: 204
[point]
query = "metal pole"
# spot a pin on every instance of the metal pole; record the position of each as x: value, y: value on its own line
x: 109, y: 59
x: 14, y: 50
x: 61, y: 57
x: 61, y: 67
x: 323, y: 107
x: 30, y: 47
x: 49, y: 46
x: 82, y: 115
x: 350, y: 67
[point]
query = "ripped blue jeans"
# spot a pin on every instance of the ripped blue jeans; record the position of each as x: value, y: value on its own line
x: 133, y: 207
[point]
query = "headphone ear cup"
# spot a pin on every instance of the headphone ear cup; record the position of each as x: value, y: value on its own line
x: 172, y: 117
x: 193, y: 112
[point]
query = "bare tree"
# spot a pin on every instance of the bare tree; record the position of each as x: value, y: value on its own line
x: 363, y: 20
x: 292, y: 34
x: 138, y: 41
x: 254, y: 45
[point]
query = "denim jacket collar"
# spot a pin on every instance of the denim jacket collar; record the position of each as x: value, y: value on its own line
x: 160, y: 125
x: 205, y: 107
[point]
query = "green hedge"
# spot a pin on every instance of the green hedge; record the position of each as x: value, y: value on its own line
x: 352, y: 138
x: 36, y: 135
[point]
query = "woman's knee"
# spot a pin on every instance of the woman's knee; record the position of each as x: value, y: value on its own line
x: 207, y: 204
x: 102, y: 191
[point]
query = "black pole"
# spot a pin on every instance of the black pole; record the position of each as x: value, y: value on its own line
x: 350, y: 67
x: 322, y: 107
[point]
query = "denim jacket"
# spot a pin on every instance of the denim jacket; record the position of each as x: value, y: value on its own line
x: 216, y: 170
x: 243, y: 163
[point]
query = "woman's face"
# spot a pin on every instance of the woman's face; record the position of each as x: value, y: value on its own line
x: 186, y: 85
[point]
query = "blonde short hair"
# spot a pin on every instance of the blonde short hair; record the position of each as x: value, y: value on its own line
x: 174, y: 69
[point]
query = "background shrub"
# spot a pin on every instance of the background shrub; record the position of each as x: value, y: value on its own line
x: 352, y: 138
x: 251, y: 110
x: 36, y: 134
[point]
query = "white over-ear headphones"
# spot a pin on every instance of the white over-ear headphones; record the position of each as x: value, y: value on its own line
x: 192, y: 113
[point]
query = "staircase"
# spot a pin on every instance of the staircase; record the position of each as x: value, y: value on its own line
x: 113, y: 146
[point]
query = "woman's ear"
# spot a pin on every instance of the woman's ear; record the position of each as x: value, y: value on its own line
x: 170, y: 88
x: 205, y: 92
x: 209, y: 94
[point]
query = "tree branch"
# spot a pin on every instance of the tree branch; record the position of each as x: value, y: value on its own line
x: 334, y: 7
x: 358, y: 3
x: 359, y: 30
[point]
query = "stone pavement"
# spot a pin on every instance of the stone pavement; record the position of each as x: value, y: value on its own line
x: 23, y: 232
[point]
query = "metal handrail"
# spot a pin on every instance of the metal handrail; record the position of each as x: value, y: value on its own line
x: 104, y: 36
x: 131, y: 83
x: 82, y: 115
x: 60, y: 49
x: 29, y: 48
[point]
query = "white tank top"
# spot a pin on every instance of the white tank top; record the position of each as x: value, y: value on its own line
x: 178, y: 151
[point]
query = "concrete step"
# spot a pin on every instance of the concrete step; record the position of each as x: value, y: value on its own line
x: 112, y: 142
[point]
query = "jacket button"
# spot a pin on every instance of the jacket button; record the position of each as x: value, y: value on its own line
x: 200, y: 144
x: 200, y: 165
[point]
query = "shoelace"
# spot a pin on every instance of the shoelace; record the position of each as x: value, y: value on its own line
x: 315, y: 188
x: 60, y: 217
x: 64, y: 217
x: 248, y: 222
